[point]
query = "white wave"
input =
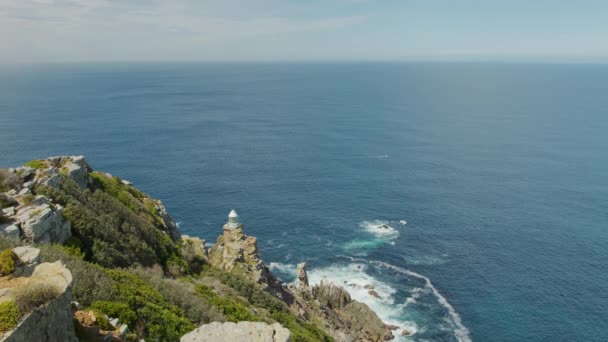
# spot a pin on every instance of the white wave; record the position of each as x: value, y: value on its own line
x: 415, y: 294
x: 179, y: 224
x: 379, y: 228
x: 365, y: 288
x: 461, y: 332
x: 402, y: 222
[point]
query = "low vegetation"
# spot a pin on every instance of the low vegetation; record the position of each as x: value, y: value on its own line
x: 36, y: 164
x: 9, y: 315
x: 7, y: 262
x: 33, y: 295
x: 111, y: 234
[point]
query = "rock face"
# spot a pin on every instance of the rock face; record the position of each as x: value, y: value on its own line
x: 40, y: 222
x: 75, y: 167
x: 51, y: 322
x: 238, y: 332
x: 193, y: 247
x: 36, y: 218
x: 238, y: 253
x: 302, y: 275
x: 348, y: 319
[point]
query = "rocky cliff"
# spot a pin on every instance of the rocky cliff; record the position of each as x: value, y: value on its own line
x: 343, y: 318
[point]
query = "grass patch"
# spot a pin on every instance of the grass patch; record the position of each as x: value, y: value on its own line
x: 9, y: 315
x: 36, y: 164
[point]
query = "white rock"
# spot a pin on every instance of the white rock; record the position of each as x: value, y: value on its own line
x: 44, y: 224
x: 10, y: 211
x: 27, y: 254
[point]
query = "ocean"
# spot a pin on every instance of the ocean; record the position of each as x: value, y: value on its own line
x: 472, y: 196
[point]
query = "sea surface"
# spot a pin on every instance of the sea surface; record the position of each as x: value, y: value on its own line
x: 491, y: 179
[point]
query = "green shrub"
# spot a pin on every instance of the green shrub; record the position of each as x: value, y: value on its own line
x: 9, y: 315
x: 232, y: 310
x: 102, y: 321
x: 91, y: 282
x: 73, y: 245
x: 7, y: 262
x: 159, y: 320
x: 36, y: 164
x: 35, y: 294
x: 117, y: 310
x: 111, y: 234
x: 181, y: 294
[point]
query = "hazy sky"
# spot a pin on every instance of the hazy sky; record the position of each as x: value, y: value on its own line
x: 126, y: 30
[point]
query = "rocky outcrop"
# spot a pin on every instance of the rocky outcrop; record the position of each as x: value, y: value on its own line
x: 170, y: 226
x: 36, y: 218
x: 302, y: 275
x: 238, y: 253
x: 74, y: 167
x: 193, y: 248
x: 51, y: 322
x: 238, y: 332
x: 344, y: 318
x: 41, y: 222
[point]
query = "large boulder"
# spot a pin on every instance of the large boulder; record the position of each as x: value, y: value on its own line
x: 238, y: 332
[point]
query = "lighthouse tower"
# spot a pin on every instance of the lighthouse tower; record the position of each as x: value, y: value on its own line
x: 233, y: 221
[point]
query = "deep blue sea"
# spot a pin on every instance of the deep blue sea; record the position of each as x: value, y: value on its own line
x: 492, y: 178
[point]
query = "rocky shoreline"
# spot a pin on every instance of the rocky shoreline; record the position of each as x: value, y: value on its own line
x: 35, y: 218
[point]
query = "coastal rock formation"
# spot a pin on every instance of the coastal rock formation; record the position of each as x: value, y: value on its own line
x: 302, y: 275
x: 345, y: 319
x: 48, y: 171
x: 238, y: 332
x: 52, y: 321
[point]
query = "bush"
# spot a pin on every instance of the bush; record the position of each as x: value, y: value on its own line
x: 8, y: 180
x: 36, y: 164
x: 181, y: 294
x: 232, y: 310
x: 102, y: 321
x: 91, y: 282
x: 35, y: 294
x: 7, y: 262
x: 159, y: 320
x: 9, y: 315
x: 112, y: 235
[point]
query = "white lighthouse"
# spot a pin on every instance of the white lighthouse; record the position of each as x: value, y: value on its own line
x: 233, y: 220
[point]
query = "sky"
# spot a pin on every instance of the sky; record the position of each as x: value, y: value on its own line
x: 41, y: 31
